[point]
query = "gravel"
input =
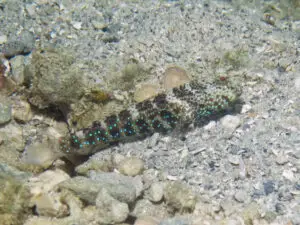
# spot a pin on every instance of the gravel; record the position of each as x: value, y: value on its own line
x: 247, y: 162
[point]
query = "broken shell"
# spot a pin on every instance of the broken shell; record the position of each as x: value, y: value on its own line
x: 145, y: 91
x: 174, y: 76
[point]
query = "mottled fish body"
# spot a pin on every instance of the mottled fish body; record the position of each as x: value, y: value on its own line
x: 192, y: 103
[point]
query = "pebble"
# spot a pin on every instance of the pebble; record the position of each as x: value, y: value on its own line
x: 211, y: 125
x: 230, y: 122
x: 234, y: 159
x: 30, y: 9
x: 269, y: 187
x: 241, y: 196
x: 146, y: 220
x: 245, y: 108
x: 5, y: 112
x: 23, y: 44
x: 17, y: 68
x: 228, y: 206
x: 250, y: 213
x: 179, y: 196
x: 77, y: 25
x: 13, y: 172
x: 101, y: 165
x: 40, y: 152
x: 150, y: 176
x: 46, y: 181
x: 296, y: 154
x: 115, y: 178
x: 156, y: 192
x: 280, y: 208
x: 144, y: 207
x: 176, y: 221
x: 114, y: 210
x: 46, y: 201
x: 297, y: 84
x: 87, y: 189
x: 117, y: 158
x: 288, y: 174
x: 282, y: 159
x: 153, y: 140
x: 21, y: 111
x: 49, y: 204
x: 12, y: 135
x: 3, y: 39
x: 131, y: 166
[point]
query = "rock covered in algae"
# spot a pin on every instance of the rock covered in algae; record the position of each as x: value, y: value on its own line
x: 54, y: 78
x: 5, y: 111
x: 14, y: 196
x: 179, y: 196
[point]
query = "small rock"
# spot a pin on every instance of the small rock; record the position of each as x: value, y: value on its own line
x: 88, y: 189
x: 246, y: 108
x: 113, y: 210
x: 46, y: 181
x: 250, y: 213
x: 269, y: 187
x: 24, y: 44
x: 14, y: 198
x: 31, y: 9
x: 49, y: 204
x: 131, y: 166
x: 176, y: 221
x: 234, y: 159
x: 12, y: 135
x: 13, y: 172
x: 77, y: 25
x: 150, y: 176
x: 297, y: 84
x: 280, y: 208
x: 45, y: 87
x: 156, y: 192
x: 153, y: 140
x: 296, y: 154
x: 210, y: 125
x: 116, y: 179
x: 18, y: 67
x: 4, y: 67
x: 270, y: 216
x: 179, y: 196
x: 230, y: 122
x: 98, y: 25
x: 21, y: 111
x: 96, y: 165
x: 117, y: 158
x: 282, y: 159
x: 288, y: 174
x: 237, y: 221
x: 41, y: 152
x: 241, y: 196
x: 144, y: 208
x: 5, y: 112
x: 3, y: 39
x: 228, y: 206
x: 146, y: 220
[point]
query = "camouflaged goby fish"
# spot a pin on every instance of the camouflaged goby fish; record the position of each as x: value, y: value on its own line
x: 191, y: 103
